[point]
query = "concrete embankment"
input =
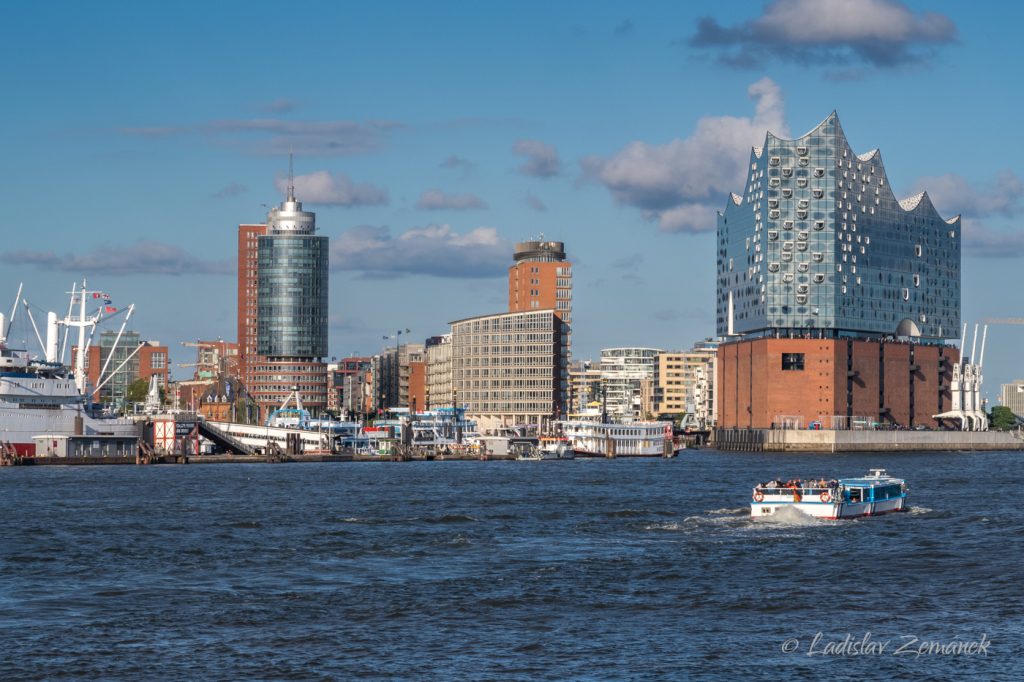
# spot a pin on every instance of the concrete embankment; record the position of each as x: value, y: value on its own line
x: 246, y: 459
x: 793, y: 440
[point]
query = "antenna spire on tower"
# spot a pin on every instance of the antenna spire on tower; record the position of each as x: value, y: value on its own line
x: 291, y: 176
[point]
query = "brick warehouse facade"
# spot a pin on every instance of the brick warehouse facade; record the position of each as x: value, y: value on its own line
x: 763, y: 382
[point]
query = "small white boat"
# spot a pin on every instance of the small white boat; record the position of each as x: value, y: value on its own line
x: 555, y: 448
x: 844, y: 498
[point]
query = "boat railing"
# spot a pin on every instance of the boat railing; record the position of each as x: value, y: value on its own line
x: 789, y: 491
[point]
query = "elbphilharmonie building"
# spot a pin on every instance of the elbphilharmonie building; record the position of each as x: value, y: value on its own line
x: 817, y: 242
x: 835, y: 297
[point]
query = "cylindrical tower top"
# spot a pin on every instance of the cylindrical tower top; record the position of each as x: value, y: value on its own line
x: 539, y: 251
x: 289, y: 218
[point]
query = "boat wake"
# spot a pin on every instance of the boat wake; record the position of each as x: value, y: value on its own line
x: 790, y: 516
x: 716, y: 518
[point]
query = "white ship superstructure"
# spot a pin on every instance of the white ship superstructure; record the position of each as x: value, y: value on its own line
x: 636, y: 439
x: 42, y: 396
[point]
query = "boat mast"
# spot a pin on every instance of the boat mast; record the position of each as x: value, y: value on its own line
x: 71, y: 305
x: 81, y: 321
x: 5, y: 328
x: 80, y: 357
x: 35, y: 328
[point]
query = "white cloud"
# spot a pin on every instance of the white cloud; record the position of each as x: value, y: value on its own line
x: 880, y: 33
x: 687, y: 218
x: 435, y: 250
x: 535, y: 202
x: 457, y: 162
x: 230, y: 190
x: 952, y: 194
x: 541, y: 158
x: 436, y: 200
x: 282, y: 105
x: 677, y: 183
x: 279, y: 136
x: 320, y: 187
x: 146, y: 257
x: 983, y: 242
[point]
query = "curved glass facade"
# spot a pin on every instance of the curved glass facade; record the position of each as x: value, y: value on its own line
x: 292, y: 296
x: 817, y: 241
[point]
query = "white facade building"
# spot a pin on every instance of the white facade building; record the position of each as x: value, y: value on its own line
x: 623, y: 371
x: 511, y: 369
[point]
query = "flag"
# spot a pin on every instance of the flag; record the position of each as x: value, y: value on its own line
x: 109, y: 309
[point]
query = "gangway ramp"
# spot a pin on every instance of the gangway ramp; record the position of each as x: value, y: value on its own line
x: 223, y: 439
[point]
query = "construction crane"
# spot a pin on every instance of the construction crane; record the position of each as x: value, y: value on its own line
x: 217, y: 363
x: 1005, y: 320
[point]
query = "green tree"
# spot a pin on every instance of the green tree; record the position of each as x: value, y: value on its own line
x: 1002, y: 418
x: 137, y: 391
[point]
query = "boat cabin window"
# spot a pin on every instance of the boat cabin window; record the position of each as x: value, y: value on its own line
x: 855, y: 494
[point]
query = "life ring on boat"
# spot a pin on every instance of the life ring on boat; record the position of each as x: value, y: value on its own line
x: 825, y: 497
x: 758, y: 496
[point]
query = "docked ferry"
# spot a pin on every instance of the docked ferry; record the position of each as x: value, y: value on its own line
x: 844, y: 498
x: 637, y: 439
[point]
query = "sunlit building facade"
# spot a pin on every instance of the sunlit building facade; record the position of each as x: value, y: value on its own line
x: 511, y: 369
x: 835, y: 297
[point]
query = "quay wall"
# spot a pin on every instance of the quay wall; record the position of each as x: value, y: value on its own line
x: 827, y: 441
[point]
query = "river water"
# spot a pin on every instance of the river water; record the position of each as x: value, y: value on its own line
x: 587, y: 569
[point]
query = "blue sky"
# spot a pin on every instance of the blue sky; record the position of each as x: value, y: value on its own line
x: 431, y: 136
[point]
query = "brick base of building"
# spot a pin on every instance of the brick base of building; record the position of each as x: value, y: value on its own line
x: 774, y: 383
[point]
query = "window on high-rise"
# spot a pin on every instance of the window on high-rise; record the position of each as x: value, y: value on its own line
x: 792, y: 361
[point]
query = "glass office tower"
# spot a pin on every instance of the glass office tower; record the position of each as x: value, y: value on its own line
x: 292, y: 285
x: 291, y: 304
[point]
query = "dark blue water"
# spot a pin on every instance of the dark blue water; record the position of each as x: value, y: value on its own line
x: 503, y: 570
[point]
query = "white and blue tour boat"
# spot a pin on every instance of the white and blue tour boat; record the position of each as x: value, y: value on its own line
x: 844, y: 498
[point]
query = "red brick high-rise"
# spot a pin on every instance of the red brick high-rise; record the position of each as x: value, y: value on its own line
x: 248, y: 248
x: 541, y: 279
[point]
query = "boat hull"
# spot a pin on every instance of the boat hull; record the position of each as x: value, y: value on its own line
x: 829, y: 510
x: 19, y: 426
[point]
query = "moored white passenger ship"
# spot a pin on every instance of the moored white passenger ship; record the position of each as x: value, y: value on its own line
x: 845, y: 498
x: 637, y: 439
x: 43, y: 397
